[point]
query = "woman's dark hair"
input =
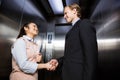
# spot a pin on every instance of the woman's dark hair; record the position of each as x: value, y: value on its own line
x: 22, y: 31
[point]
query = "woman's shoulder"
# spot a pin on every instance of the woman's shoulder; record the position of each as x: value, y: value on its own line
x: 19, y: 41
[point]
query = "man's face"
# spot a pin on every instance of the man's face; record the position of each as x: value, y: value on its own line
x: 68, y: 14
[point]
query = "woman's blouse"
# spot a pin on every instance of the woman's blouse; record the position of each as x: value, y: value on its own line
x: 19, y: 53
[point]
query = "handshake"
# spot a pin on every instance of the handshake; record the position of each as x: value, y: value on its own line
x: 51, y: 65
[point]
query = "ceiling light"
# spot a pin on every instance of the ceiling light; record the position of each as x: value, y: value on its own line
x: 57, y: 6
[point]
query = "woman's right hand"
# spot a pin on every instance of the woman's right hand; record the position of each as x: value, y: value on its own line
x: 48, y: 65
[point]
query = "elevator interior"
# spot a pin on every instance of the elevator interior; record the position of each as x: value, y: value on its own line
x: 105, y: 15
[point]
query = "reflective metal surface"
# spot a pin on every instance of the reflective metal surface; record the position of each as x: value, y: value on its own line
x: 105, y: 15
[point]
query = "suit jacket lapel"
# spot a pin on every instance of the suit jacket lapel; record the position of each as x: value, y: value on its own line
x: 74, y: 27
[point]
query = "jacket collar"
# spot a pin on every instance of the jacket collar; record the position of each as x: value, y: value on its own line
x: 73, y: 22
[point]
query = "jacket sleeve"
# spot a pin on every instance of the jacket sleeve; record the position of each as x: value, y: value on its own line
x: 60, y: 64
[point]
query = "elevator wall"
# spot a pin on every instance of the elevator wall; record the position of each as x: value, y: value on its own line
x: 105, y: 15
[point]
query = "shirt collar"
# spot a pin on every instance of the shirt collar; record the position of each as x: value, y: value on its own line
x: 28, y: 38
x: 73, y: 22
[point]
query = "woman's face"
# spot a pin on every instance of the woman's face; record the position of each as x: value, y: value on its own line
x: 32, y: 29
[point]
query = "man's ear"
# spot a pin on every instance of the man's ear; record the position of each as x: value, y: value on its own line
x: 74, y: 10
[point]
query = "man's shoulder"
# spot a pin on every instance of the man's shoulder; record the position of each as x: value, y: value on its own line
x: 85, y: 24
x: 85, y: 20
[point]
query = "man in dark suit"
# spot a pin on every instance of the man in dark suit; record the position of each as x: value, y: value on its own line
x: 81, y: 51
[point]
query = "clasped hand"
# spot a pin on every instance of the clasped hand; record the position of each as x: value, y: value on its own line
x: 53, y: 63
